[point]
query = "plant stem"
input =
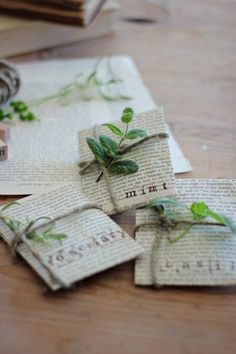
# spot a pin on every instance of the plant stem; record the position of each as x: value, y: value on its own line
x: 190, y: 224
x: 117, y: 149
x: 185, y: 231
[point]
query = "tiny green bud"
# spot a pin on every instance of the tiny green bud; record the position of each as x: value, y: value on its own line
x: 19, y: 106
x: 127, y: 115
x: 30, y: 116
x: 23, y: 116
x: 128, y: 110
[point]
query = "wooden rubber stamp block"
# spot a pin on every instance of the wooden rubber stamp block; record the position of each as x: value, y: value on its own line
x: 4, y: 132
x: 3, y: 151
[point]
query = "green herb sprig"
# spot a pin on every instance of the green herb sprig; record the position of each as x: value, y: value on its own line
x: 88, y: 86
x: 44, y: 236
x: 19, y: 110
x: 199, y: 212
x: 108, y: 152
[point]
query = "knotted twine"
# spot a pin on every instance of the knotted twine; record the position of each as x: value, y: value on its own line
x: 9, y: 81
x: 23, y: 237
x: 84, y: 165
x: 165, y: 224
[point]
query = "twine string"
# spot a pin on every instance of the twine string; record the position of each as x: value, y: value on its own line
x: 9, y: 81
x: 165, y: 224
x: 23, y: 237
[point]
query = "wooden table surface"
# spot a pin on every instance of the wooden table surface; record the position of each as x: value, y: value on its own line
x: 187, y: 60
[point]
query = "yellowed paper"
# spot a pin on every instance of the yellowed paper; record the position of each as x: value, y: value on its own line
x: 94, y: 242
x: 44, y: 155
x: 206, y: 255
x: 155, y: 177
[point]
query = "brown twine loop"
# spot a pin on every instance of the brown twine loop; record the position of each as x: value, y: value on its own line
x: 166, y: 224
x: 162, y: 224
x: 23, y: 237
x: 84, y: 165
x: 9, y: 81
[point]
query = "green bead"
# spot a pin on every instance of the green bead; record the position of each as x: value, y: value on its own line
x: 31, y: 116
x: 19, y: 106
x: 23, y: 116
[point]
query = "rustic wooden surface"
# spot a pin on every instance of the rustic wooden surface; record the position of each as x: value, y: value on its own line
x: 187, y: 60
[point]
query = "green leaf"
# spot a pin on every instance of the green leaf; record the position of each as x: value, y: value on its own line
x: 97, y: 150
x: 165, y: 201
x: 108, y: 144
x: 46, y: 236
x: 114, y: 129
x: 223, y: 219
x: 123, y: 96
x: 106, y: 95
x: 127, y: 115
x: 52, y: 234
x: 215, y: 216
x: 125, y: 167
x: 199, y: 210
x: 128, y: 110
x: 136, y: 133
x: 91, y: 76
x: 13, y: 224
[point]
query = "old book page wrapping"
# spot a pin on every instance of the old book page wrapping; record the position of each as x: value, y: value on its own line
x: 206, y: 255
x: 44, y: 155
x: 154, y: 178
x: 94, y: 242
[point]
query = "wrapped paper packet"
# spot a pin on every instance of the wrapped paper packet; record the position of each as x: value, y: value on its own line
x: 93, y: 243
x: 205, y: 256
x: 155, y: 177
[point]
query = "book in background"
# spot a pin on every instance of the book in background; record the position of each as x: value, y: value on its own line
x: 72, y: 12
x: 19, y: 35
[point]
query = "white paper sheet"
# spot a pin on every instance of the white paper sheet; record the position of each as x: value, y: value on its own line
x: 44, y: 154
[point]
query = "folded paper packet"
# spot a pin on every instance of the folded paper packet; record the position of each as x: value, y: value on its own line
x: 93, y: 243
x: 205, y: 256
x: 155, y: 177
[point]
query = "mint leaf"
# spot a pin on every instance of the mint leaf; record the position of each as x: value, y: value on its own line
x: 127, y: 115
x: 136, y: 133
x: 125, y: 167
x: 124, y: 96
x: 128, y: 110
x: 223, y: 219
x: 199, y: 210
x: 52, y: 234
x: 97, y: 150
x: 13, y: 224
x: 106, y: 95
x: 109, y: 145
x: 216, y: 216
x: 114, y: 129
